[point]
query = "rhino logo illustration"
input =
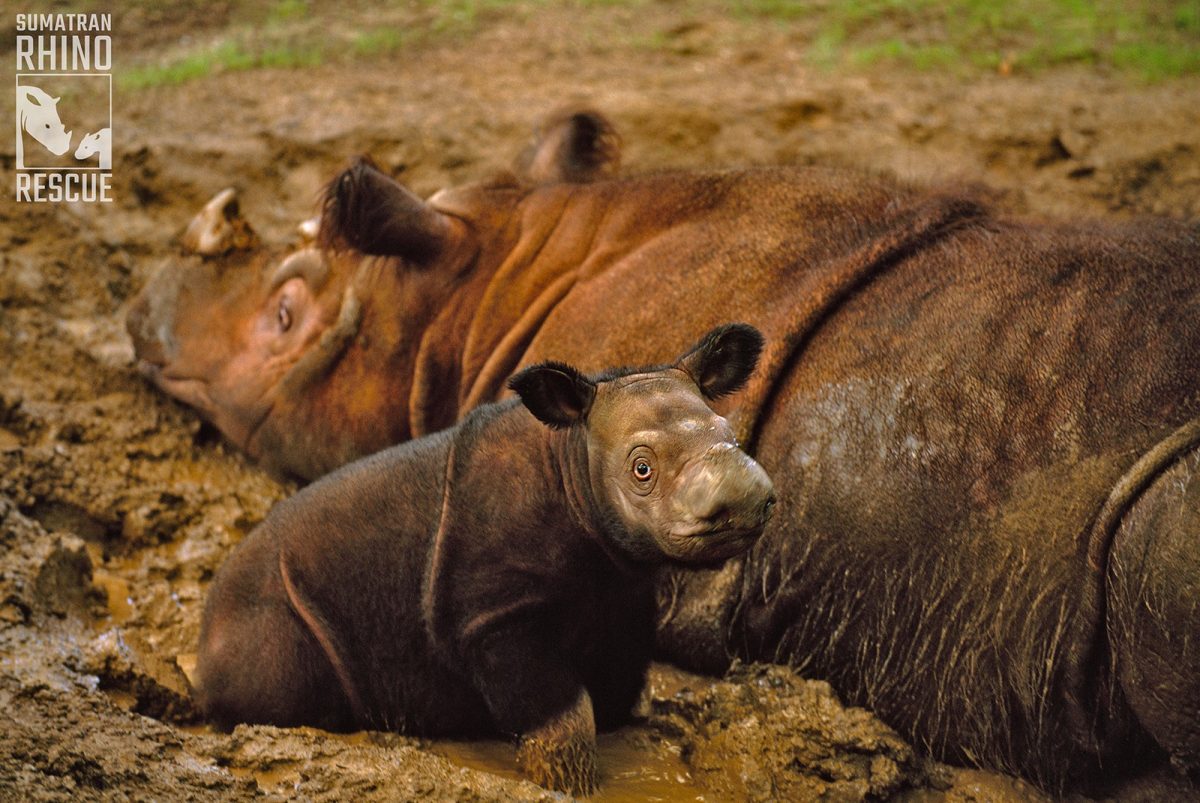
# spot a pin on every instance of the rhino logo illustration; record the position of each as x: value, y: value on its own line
x: 37, y: 116
x: 97, y: 143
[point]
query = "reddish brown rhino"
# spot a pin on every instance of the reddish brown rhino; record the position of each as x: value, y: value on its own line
x: 496, y: 577
x: 980, y: 427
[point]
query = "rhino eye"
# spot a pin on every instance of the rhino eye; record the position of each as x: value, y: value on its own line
x: 642, y: 470
x: 285, y: 315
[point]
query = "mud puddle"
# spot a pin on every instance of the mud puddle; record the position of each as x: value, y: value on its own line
x: 634, y: 766
x: 114, y: 583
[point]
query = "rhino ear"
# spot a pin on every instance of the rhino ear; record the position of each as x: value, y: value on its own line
x: 555, y: 393
x: 724, y: 359
x: 367, y: 211
x: 571, y: 146
x: 219, y: 227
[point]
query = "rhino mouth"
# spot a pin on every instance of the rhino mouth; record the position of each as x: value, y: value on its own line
x: 195, y: 393
x: 192, y: 391
x: 711, y: 544
x: 185, y: 388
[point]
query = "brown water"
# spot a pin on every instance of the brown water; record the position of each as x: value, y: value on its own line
x: 634, y: 766
x: 113, y: 578
x: 120, y: 598
x: 272, y: 779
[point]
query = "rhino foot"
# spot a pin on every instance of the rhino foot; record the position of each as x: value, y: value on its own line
x: 561, y: 755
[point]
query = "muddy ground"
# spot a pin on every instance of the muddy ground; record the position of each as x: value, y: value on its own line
x: 117, y: 504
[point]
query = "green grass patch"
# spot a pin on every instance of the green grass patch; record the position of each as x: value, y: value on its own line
x: 827, y: 48
x: 177, y: 72
x: 285, y: 56
x: 225, y: 57
x: 1152, y: 38
x: 1187, y: 18
x: 380, y: 41
x: 285, y: 11
x: 897, y: 51
x: 280, y: 35
x: 784, y: 10
x: 1157, y: 61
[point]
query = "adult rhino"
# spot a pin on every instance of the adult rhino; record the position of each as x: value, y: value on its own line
x: 982, y: 429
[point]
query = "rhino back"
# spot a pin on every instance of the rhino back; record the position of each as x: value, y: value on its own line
x: 941, y: 447
x: 671, y: 256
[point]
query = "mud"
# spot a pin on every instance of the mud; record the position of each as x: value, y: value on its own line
x: 117, y: 505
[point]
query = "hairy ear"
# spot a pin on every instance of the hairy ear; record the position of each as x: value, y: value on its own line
x: 572, y: 146
x: 724, y: 359
x: 219, y: 227
x: 555, y: 393
x: 366, y: 210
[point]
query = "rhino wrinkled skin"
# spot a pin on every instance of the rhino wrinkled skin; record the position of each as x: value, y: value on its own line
x: 964, y: 414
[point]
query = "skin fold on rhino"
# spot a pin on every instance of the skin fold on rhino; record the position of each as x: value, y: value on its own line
x: 963, y: 412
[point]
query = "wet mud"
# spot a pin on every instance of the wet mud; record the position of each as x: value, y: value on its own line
x: 117, y: 505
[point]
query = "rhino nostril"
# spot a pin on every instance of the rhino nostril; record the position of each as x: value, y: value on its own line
x: 768, y: 507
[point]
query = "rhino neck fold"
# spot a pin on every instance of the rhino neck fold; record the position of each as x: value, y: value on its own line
x: 437, y: 358
x: 567, y: 458
x: 327, y: 641
x: 508, y: 353
x: 437, y: 369
x: 538, y: 266
x: 503, y: 293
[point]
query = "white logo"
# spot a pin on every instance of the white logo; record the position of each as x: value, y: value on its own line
x: 37, y: 116
x: 64, y: 86
x: 100, y: 144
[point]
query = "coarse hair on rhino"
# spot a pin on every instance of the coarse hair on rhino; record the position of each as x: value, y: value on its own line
x: 962, y: 410
x: 494, y: 578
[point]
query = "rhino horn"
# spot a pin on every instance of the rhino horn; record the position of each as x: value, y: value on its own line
x: 219, y: 227
x: 309, y: 228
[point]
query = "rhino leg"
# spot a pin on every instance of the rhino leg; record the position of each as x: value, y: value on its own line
x: 258, y: 662
x: 1154, y: 610
x: 561, y: 754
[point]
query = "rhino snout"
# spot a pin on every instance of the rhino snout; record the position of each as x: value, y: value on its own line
x: 723, y: 490
x: 149, y: 323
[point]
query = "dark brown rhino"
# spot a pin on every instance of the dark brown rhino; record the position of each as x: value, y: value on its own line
x: 964, y: 414
x: 496, y: 577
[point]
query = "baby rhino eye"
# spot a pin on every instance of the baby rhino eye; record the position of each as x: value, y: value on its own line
x: 642, y: 470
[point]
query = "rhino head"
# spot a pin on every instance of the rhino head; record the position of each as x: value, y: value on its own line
x: 304, y: 356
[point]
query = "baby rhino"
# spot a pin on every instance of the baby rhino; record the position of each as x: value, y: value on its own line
x: 494, y: 578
